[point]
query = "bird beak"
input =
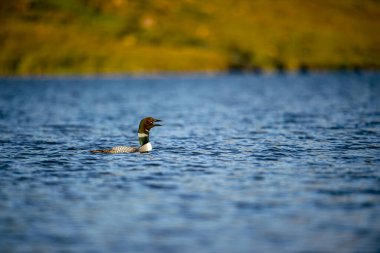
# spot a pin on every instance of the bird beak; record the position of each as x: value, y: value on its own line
x: 157, y: 120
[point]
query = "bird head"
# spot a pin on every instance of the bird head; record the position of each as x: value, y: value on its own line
x: 148, y: 123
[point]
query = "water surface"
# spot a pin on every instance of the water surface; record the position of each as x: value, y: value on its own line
x: 268, y: 163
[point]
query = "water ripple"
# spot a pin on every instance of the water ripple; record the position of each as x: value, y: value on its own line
x: 243, y: 162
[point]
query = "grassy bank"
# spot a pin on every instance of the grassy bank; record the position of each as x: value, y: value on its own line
x: 99, y: 36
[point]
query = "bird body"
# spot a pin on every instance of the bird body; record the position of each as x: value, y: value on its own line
x: 143, y: 134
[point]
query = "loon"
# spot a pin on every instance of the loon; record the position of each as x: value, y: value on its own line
x: 145, y: 125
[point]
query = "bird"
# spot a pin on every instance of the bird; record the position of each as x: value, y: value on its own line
x: 146, y: 124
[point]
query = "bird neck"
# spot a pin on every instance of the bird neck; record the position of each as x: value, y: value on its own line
x: 143, y: 133
x: 143, y: 138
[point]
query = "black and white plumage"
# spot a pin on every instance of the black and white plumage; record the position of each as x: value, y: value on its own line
x: 143, y: 133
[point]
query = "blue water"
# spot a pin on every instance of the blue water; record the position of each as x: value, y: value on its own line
x: 243, y: 163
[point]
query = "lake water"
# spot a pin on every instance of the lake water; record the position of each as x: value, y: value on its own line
x: 243, y: 163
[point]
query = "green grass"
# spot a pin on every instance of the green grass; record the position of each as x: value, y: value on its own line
x: 104, y: 36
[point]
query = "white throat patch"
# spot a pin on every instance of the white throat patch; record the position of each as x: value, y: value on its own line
x: 140, y: 135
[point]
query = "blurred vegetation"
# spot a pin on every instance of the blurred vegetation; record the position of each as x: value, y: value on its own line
x: 118, y: 36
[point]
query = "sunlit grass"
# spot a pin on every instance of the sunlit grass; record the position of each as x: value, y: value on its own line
x: 46, y: 36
